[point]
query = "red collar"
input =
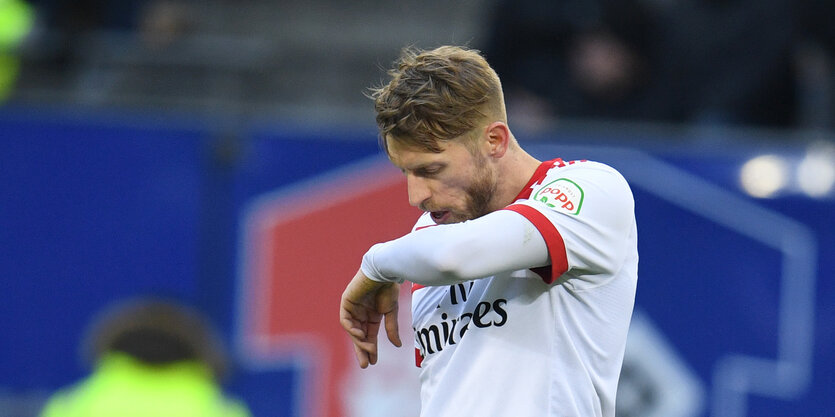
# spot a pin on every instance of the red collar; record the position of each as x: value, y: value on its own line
x: 538, y: 175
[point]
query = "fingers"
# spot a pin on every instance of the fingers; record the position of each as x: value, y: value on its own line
x: 362, y: 357
x: 351, y: 318
x: 371, y: 337
x: 363, y: 307
x: 366, y: 352
x: 361, y: 339
x: 353, y: 327
x: 372, y: 330
x: 362, y: 332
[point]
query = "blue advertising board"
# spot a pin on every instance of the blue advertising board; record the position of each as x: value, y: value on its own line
x: 91, y: 210
x: 735, y: 306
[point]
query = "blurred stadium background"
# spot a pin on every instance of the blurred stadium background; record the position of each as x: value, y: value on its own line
x: 222, y: 153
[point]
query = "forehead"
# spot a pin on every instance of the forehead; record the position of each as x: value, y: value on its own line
x: 407, y: 156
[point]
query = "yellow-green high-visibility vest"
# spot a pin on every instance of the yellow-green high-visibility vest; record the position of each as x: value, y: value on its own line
x: 125, y: 387
x: 16, y: 20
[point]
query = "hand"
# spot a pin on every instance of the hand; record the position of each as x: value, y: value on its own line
x: 363, y: 306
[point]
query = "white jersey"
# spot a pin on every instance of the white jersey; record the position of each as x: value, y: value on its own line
x: 543, y: 341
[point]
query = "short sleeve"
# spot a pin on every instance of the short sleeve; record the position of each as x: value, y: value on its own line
x: 585, y: 213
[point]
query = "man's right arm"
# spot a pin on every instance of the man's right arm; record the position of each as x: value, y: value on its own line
x: 447, y: 254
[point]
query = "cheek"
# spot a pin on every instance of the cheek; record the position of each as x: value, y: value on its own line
x: 456, y: 193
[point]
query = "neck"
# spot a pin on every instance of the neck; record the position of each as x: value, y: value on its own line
x: 515, y: 170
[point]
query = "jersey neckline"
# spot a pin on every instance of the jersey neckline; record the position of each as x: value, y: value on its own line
x: 537, y: 176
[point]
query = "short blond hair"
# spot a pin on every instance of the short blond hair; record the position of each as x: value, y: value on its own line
x: 437, y: 95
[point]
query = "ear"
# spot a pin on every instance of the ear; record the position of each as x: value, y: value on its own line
x: 498, y: 139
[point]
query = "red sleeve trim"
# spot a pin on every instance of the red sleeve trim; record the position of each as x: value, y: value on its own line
x: 553, y: 240
x: 418, y: 358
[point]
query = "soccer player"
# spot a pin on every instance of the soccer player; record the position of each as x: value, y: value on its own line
x: 523, y: 272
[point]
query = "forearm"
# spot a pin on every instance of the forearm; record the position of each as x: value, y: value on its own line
x: 498, y: 242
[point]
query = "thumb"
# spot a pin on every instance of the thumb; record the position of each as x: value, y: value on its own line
x: 392, y: 327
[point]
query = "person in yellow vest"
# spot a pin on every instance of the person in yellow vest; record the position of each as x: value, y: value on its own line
x: 151, y: 358
x: 16, y: 21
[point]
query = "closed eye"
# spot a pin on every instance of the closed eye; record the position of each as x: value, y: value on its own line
x: 430, y: 170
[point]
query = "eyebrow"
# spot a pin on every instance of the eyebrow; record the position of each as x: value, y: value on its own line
x: 424, y: 167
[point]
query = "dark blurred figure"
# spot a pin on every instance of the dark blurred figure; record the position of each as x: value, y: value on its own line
x: 577, y: 58
x: 714, y: 62
x: 151, y: 358
x: 817, y: 63
x: 64, y: 23
x: 64, y: 35
x: 77, y: 16
x: 67, y: 21
x: 818, y: 17
x: 732, y: 61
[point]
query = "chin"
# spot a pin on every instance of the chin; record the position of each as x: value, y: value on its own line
x: 458, y: 218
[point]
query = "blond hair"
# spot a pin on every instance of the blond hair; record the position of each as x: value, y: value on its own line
x: 437, y: 95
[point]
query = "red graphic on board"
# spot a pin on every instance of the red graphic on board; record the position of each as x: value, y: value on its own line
x: 301, y: 247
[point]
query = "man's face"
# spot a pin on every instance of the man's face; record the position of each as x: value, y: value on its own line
x: 453, y: 185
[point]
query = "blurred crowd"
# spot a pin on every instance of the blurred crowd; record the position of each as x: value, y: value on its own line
x: 49, y: 35
x: 62, y: 23
x: 713, y: 62
x: 726, y: 62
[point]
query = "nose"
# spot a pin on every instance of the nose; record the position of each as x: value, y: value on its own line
x: 418, y: 190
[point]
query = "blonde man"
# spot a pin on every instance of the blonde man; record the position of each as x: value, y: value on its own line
x: 523, y: 272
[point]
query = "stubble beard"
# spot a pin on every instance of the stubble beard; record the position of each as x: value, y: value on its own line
x: 479, y: 195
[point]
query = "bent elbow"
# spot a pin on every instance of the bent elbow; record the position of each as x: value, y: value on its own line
x: 451, y: 265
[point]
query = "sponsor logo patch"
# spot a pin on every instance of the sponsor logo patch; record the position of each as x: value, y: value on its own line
x: 561, y: 194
